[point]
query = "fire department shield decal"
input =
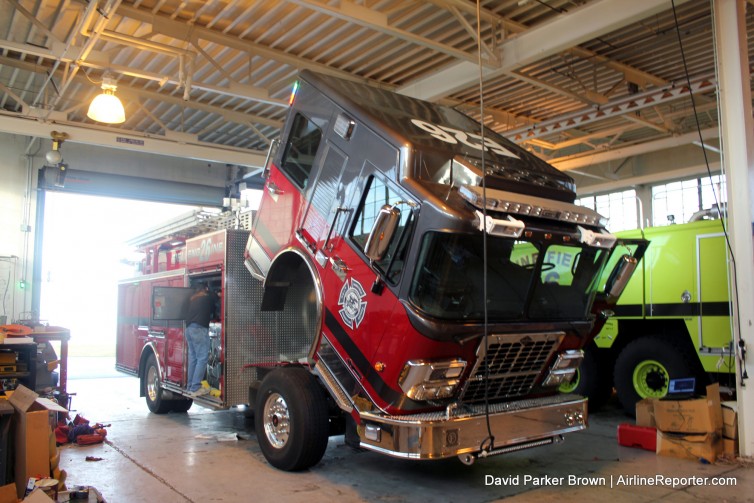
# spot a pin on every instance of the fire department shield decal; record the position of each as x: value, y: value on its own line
x: 352, y: 307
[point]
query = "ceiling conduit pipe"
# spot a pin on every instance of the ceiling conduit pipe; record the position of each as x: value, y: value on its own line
x: 140, y: 43
x: 99, y: 27
x: 89, y: 13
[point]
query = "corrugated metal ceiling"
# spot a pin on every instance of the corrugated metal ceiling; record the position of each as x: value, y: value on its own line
x: 219, y: 72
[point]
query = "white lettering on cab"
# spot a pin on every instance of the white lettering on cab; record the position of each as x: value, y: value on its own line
x: 456, y: 136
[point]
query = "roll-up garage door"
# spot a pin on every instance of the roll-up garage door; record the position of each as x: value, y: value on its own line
x: 129, y: 187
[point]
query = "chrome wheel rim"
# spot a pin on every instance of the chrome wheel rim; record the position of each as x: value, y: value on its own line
x: 153, y: 385
x: 277, y: 420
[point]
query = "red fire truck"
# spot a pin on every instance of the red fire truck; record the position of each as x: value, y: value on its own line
x: 413, y: 281
x: 199, y: 246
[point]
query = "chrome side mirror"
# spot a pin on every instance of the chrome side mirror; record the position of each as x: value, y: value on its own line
x: 620, y: 275
x: 382, y: 232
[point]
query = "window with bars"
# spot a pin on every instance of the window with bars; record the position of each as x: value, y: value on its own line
x: 618, y: 207
x: 676, y: 202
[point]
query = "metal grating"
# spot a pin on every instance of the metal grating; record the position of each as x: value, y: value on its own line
x: 242, y: 296
x: 513, y: 363
x: 259, y: 338
x: 248, y: 332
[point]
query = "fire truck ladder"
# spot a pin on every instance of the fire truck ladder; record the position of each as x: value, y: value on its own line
x: 193, y: 223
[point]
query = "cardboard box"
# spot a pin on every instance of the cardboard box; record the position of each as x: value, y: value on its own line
x: 730, y: 419
x: 38, y: 496
x: 730, y: 447
x: 696, y: 447
x: 694, y: 415
x: 32, y: 437
x: 645, y: 413
x: 8, y: 493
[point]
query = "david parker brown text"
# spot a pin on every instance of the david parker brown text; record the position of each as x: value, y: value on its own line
x: 613, y: 480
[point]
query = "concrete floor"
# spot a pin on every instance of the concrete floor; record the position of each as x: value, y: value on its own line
x: 206, y: 456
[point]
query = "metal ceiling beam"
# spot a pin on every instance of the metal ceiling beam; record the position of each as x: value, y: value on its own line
x: 32, y: 19
x: 636, y: 118
x: 146, y: 144
x: 472, y: 31
x: 654, y: 178
x: 581, y: 161
x: 577, y: 26
x: 634, y: 75
x: 234, y: 89
x: 491, y: 115
x: 449, y: 80
x: 182, y: 31
x: 619, y: 107
x: 102, y: 62
x: 471, y: 8
x: 560, y: 34
x: 585, y: 95
x: 230, y: 115
x: 375, y: 20
x: 639, y: 77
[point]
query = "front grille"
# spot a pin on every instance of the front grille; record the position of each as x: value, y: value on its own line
x: 513, y: 363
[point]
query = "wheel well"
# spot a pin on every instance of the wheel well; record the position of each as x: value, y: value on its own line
x: 145, y: 354
x: 672, y: 330
x: 292, y: 287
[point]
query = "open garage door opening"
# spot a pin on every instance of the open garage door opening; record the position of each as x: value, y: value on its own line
x: 84, y: 254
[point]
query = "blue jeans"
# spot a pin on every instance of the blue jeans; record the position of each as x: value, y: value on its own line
x: 197, y: 338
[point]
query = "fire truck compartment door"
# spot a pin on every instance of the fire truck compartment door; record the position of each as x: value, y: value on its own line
x: 714, y: 291
x: 170, y: 303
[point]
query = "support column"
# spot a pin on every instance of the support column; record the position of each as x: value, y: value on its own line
x: 738, y: 161
x: 644, y: 196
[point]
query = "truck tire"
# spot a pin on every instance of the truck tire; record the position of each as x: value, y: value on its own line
x: 181, y: 405
x: 593, y: 379
x: 291, y: 419
x: 153, y: 388
x: 645, y: 367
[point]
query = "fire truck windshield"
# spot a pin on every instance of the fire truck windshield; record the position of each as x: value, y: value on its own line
x: 534, y: 280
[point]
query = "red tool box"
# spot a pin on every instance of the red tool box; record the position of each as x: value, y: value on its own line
x: 644, y: 437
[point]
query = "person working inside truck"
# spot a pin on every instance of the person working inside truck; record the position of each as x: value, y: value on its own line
x: 201, y: 307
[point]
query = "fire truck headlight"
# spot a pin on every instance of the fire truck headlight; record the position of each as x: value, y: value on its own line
x: 431, y: 380
x: 564, y: 368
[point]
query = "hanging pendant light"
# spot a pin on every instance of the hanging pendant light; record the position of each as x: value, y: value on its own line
x: 106, y: 107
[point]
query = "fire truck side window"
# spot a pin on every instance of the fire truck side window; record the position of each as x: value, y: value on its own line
x: 378, y: 194
x: 301, y: 149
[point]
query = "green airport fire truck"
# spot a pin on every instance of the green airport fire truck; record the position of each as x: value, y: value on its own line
x: 672, y: 321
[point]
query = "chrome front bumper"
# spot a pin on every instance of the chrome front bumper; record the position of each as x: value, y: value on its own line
x: 463, y: 431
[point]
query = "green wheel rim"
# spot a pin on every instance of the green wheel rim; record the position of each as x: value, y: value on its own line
x: 651, y: 379
x: 570, y: 387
